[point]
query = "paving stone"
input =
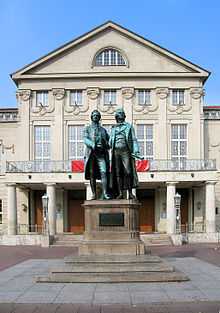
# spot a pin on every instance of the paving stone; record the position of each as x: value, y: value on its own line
x: 46, y: 308
x: 149, y: 297
x: 6, y: 308
x: 68, y: 308
x: 9, y: 297
x: 122, y: 297
x: 36, y: 297
x: 89, y: 308
x: 145, y: 287
x: 186, y: 295
x: 77, y: 297
x: 25, y: 308
x: 111, y: 287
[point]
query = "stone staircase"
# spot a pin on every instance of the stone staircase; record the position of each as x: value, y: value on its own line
x: 156, y: 239
x: 67, y: 240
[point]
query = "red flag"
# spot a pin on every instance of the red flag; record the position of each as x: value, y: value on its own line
x: 77, y: 166
x: 142, y: 165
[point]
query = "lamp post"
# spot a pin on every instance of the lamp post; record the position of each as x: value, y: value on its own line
x: 177, y: 201
x: 45, y: 200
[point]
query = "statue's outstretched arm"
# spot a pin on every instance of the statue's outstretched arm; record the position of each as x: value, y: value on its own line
x: 87, y: 141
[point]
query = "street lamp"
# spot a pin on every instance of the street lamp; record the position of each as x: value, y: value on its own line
x: 45, y: 200
x: 177, y: 201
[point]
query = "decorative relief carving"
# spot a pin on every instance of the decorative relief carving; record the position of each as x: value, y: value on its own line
x: 197, y: 93
x: 23, y: 95
x: 93, y: 93
x: 162, y: 93
x: 127, y: 92
x: 146, y: 108
x: 40, y: 109
x: 180, y: 108
x: 59, y: 93
x: 75, y: 109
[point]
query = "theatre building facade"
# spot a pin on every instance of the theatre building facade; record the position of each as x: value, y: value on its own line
x: 41, y: 142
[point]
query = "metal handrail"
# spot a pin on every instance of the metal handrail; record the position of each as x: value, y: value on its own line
x: 64, y: 166
x: 26, y: 229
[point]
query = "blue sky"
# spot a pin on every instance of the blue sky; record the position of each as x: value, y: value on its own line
x: 32, y: 28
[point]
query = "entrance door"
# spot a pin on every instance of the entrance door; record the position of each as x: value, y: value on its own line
x: 184, y: 207
x: 147, y: 212
x: 76, y: 222
x: 38, y: 208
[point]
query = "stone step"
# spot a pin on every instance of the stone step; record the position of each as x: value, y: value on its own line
x: 113, y: 268
x: 113, y: 277
x: 123, y: 259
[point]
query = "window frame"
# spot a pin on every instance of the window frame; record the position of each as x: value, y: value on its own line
x: 42, y: 104
x: 180, y: 158
x: 106, y: 56
x: 75, y: 141
x: 178, y: 92
x: 76, y: 92
x: 43, y: 142
x: 111, y: 90
x: 146, y: 140
x: 145, y: 91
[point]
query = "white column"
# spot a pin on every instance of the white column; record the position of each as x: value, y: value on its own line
x: 12, y: 209
x: 210, y: 206
x: 171, y: 211
x: 51, y: 192
x: 88, y: 191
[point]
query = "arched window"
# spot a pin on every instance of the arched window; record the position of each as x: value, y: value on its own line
x: 109, y: 57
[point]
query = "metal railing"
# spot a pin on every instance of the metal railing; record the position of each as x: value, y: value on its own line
x: 38, y: 166
x: 191, y: 228
x: 65, y: 166
x: 25, y: 229
x: 183, y: 165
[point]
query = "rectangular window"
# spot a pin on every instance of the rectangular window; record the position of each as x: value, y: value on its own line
x: 178, y: 97
x: 1, y: 211
x: 144, y: 97
x: 145, y: 140
x: 75, y: 142
x: 42, y: 98
x: 42, y: 143
x: 179, y: 142
x: 76, y: 97
x: 110, y: 97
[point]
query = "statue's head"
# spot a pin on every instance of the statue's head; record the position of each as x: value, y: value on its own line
x: 120, y: 115
x: 95, y: 116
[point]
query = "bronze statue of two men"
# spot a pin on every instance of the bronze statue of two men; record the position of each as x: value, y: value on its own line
x: 124, y: 149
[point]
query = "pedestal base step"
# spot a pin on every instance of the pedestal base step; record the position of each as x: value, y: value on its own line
x: 113, y: 277
x: 113, y: 269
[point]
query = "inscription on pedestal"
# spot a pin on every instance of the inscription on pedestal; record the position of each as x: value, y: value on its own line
x: 111, y: 219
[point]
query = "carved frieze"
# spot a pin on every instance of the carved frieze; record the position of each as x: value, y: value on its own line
x: 93, y: 93
x: 23, y: 95
x: 162, y: 93
x: 197, y: 93
x: 59, y: 93
x: 127, y: 93
x: 146, y: 108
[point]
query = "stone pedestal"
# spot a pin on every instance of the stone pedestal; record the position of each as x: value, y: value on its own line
x: 111, y: 228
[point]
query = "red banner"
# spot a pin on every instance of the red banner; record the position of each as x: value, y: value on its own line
x: 142, y: 165
x: 77, y: 166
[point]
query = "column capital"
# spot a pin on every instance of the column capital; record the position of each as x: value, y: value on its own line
x: 11, y: 184
x: 171, y: 183
x: 211, y: 182
x: 50, y: 184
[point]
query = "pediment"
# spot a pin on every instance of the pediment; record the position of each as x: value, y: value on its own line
x: 76, y: 58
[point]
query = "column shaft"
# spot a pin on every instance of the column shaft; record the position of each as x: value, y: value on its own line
x: 12, y: 210
x: 171, y: 212
x: 210, y: 207
x: 51, y: 192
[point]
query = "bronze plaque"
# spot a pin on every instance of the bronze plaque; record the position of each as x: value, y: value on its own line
x: 111, y: 219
